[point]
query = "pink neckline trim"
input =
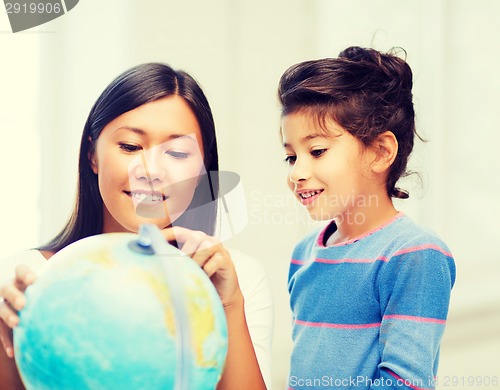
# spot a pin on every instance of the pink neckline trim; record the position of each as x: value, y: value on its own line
x: 319, y: 241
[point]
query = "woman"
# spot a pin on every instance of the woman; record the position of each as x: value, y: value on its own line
x: 145, y: 151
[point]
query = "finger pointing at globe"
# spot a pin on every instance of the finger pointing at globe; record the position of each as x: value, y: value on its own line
x: 209, y: 253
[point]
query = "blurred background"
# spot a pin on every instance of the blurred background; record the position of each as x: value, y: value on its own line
x: 51, y: 75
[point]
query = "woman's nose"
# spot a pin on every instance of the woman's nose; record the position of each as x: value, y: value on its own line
x: 150, y: 166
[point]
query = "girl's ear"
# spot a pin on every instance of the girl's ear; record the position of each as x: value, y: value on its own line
x: 92, y: 157
x: 385, y: 147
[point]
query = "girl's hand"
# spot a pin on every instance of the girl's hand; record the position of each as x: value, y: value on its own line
x: 12, y: 300
x: 211, y: 256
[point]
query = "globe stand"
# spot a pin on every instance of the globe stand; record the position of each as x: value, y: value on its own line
x: 152, y: 242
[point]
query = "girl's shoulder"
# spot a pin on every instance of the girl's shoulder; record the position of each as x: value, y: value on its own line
x: 409, y: 234
x: 400, y: 234
x: 414, y: 247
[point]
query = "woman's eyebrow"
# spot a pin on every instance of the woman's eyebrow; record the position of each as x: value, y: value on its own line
x: 133, y: 129
x: 139, y: 131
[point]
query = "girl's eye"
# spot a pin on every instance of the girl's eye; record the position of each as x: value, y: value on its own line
x: 177, y: 155
x: 129, y: 147
x: 290, y: 159
x: 318, y: 152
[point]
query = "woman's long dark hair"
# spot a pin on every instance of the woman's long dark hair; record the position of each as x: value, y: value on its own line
x: 137, y: 86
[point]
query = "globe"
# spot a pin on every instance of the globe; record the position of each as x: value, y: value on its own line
x: 104, y: 315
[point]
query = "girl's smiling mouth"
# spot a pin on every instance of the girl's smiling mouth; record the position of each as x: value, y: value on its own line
x: 308, y: 196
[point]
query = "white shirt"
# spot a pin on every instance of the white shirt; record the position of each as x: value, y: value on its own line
x: 254, y: 285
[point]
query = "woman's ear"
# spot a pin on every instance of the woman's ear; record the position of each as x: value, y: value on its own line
x: 385, y: 147
x: 92, y: 156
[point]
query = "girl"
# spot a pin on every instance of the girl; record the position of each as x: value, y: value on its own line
x: 369, y: 292
x: 146, y: 147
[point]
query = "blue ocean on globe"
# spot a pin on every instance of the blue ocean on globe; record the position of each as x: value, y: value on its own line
x: 103, y: 316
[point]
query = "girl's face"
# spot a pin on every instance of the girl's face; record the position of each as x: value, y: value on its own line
x: 148, y: 161
x: 328, y: 173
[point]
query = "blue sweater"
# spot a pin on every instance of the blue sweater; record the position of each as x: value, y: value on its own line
x: 369, y: 313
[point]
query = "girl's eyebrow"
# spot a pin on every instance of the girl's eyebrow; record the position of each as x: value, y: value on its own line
x: 304, y: 139
x: 143, y: 133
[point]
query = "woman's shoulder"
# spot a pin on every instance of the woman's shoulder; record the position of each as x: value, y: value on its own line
x: 252, y: 276
x: 247, y: 267
x: 255, y: 286
x: 28, y: 255
x: 33, y: 258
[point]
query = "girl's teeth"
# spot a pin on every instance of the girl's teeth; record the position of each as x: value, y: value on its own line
x: 309, y: 194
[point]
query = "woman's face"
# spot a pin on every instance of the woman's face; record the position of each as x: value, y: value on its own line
x: 148, y: 161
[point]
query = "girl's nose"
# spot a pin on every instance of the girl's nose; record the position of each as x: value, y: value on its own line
x: 299, y: 172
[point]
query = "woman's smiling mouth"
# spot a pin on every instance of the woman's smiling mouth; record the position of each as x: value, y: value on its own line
x: 146, y: 197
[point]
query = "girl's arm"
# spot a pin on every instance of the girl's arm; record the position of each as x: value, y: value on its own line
x: 414, y: 293
x: 242, y: 369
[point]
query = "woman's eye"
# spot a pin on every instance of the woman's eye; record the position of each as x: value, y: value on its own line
x: 318, y: 152
x: 178, y: 155
x: 130, y: 148
x: 290, y: 159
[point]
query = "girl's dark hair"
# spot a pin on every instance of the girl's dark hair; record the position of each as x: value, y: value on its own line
x: 137, y: 86
x: 365, y: 91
